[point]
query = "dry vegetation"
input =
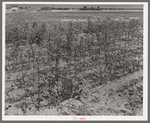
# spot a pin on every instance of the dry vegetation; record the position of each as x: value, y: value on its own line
x: 90, y: 68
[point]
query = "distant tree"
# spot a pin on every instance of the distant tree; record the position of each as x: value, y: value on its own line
x: 45, y: 8
x: 84, y: 7
x: 92, y: 8
x: 20, y: 7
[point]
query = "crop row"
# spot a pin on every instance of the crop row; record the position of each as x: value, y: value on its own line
x: 55, y: 62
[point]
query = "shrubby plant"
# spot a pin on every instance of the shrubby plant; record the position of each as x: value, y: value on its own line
x: 55, y: 59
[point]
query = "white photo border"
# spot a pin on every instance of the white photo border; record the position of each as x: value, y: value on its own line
x: 87, y: 118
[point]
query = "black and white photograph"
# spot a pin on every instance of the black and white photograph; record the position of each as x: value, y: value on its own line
x: 75, y: 61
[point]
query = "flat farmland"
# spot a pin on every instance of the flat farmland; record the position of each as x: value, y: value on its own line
x: 73, y: 16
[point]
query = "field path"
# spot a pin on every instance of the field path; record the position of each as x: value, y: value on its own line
x: 104, y: 98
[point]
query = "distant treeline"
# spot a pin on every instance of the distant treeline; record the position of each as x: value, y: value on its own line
x: 19, y: 7
x: 83, y: 8
x: 88, y: 8
x: 98, y: 8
